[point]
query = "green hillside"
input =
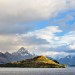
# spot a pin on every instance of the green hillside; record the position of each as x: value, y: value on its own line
x: 36, y: 62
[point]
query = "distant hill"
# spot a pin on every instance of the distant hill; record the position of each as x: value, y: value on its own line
x: 68, y: 60
x: 36, y: 62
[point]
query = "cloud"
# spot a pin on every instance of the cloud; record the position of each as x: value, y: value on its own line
x: 65, y: 21
x: 55, y: 54
x: 42, y: 41
x: 46, y: 33
x: 69, y: 39
x: 8, y: 29
x: 9, y: 43
x: 16, y: 29
x: 64, y: 43
x: 32, y: 40
x: 26, y: 10
x: 30, y: 10
x: 15, y: 12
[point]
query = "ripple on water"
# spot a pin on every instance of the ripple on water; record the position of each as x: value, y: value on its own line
x: 37, y: 71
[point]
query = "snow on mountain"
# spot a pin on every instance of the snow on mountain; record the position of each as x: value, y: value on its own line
x: 69, y: 60
x: 21, y: 54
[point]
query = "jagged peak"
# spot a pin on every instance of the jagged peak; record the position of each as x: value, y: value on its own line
x: 1, y: 53
x: 6, y: 53
x: 22, y: 49
x: 23, y: 52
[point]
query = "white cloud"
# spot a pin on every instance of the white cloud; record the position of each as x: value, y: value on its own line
x: 36, y: 39
x: 46, y: 33
x: 69, y: 39
x: 9, y: 43
x: 72, y: 46
x: 25, y: 10
x: 43, y: 41
x: 54, y: 54
x: 15, y: 12
x: 30, y: 9
x: 65, y: 43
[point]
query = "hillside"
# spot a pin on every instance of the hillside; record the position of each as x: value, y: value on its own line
x: 36, y: 62
x: 68, y: 60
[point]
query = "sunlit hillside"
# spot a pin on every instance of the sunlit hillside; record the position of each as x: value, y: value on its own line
x: 36, y: 62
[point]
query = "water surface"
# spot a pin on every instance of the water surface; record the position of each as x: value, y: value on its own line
x: 37, y: 71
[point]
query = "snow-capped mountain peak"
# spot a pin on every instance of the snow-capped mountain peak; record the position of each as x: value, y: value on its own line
x: 23, y: 52
x: 22, y: 49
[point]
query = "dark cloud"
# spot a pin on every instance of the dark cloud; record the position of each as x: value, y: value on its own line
x: 11, y: 28
x: 64, y: 48
x: 33, y: 40
x: 14, y: 12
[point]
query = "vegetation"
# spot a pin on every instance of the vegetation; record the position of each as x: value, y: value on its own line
x: 37, y: 62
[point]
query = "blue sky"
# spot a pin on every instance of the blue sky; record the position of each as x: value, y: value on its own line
x: 42, y: 26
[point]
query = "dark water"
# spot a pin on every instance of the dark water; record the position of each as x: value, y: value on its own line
x: 37, y: 71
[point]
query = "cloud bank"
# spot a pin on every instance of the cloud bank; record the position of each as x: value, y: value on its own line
x: 15, y: 12
x: 16, y: 28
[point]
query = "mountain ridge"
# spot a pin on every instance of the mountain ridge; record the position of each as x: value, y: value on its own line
x: 19, y: 55
x: 68, y: 60
x: 23, y: 54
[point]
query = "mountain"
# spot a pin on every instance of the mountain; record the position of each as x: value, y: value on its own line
x: 10, y: 57
x: 22, y: 54
x: 69, y: 60
x: 3, y: 58
x: 36, y: 62
x: 6, y: 58
x: 19, y: 55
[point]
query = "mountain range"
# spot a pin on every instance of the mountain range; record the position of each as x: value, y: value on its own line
x: 69, y: 60
x: 19, y: 55
x: 23, y: 54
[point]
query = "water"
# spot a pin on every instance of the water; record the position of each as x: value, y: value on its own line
x: 37, y: 71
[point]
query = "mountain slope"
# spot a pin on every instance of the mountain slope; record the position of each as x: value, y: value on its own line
x: 3, y: 58
x: 69, y: 60
x: 19, y: 55
x: 22, y: 54
x: 36, y: 62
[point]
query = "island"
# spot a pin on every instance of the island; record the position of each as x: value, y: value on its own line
x: 36, y: 62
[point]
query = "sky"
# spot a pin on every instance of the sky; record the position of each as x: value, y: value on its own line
x: 45, y: 27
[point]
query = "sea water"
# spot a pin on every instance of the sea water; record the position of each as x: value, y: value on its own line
x: 37, y: 71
